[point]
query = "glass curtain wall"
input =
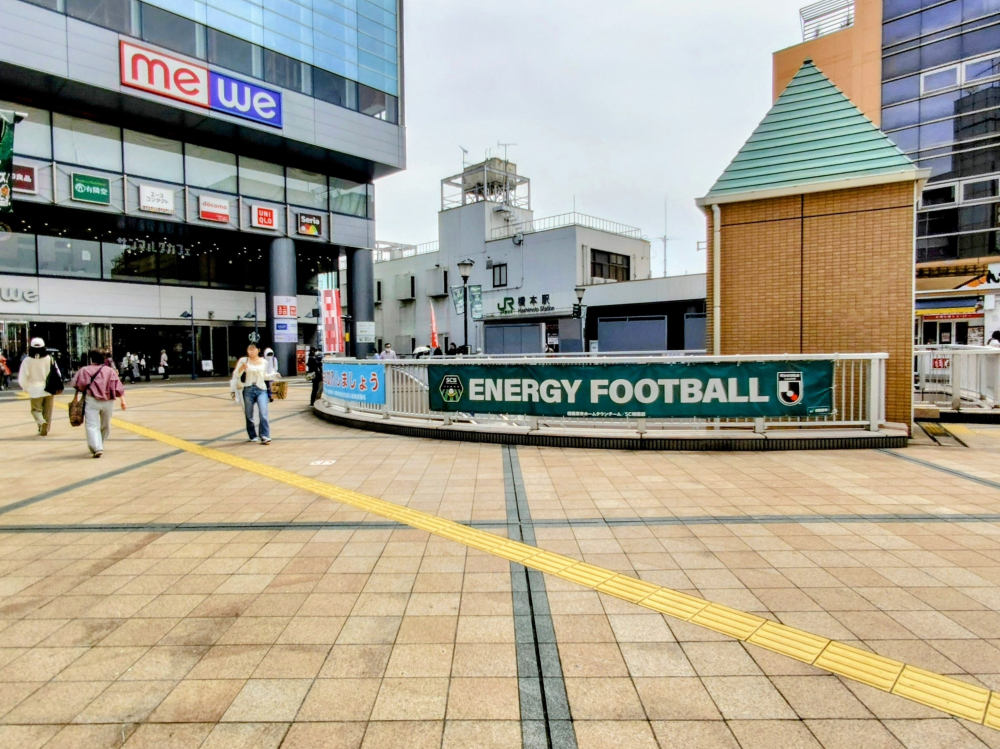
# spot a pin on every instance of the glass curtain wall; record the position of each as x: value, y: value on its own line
x: 941, y: 105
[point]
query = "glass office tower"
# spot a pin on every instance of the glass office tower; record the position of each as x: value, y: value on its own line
x: 941, y: 105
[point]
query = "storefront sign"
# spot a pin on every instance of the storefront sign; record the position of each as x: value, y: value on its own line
x: 263, y: 217
x: 285, y: 307
x: 360, y: 383
x: 310, y: 224
x: 14, y: 294
x: 704, y: 390
x: 192, y: 83
x: 286, y: 331
x: 213, y: 209
x: 25, y: 179
x: 365, y: 330
x: 89, y: 189
x: 156, y: 199
x: 6, y: 162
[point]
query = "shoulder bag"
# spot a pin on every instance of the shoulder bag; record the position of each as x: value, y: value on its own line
x: 79, y: 405
x: 54, y: 381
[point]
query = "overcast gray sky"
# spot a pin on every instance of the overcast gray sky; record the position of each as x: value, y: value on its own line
x: 621, y: 103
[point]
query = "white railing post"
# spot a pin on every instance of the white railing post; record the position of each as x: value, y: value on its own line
x: 875, y: 393
x: 957, y: 370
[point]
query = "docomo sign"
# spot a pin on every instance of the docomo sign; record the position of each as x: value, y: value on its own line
x: 191, y: 83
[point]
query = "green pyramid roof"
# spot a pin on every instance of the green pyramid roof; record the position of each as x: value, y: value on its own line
x: 813, y: 136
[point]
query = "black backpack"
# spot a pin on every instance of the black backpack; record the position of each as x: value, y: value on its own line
x: 54, y: 380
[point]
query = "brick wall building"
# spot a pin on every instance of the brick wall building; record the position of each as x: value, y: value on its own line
x: 816, y: 247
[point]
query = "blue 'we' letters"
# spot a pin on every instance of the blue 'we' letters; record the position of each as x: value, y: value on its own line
x: 242, y: 99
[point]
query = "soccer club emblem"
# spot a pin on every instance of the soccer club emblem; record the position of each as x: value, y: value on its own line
x: 451, y: 388
x: 790, y: 388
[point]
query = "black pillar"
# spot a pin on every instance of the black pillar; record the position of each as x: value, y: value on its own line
x: 360, y: 297
x: 283, y: 283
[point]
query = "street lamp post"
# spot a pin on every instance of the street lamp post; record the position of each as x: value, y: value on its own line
x: 465, y: 270
x: 194, y: 353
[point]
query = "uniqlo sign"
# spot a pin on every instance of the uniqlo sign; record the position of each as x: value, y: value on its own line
x: 263, y: 217
x: 193, y: 83
x: 285, y: 307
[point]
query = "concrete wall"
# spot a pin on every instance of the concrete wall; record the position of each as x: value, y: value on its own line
x: 818, y: 274
x: 851, y: 58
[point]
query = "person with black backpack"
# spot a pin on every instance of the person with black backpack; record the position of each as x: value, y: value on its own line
x: 41, y: 379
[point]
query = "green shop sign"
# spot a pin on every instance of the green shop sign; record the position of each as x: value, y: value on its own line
x: 90, y: 189
x: 670, y: 390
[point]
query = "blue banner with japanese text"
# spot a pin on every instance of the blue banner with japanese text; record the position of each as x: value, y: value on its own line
x: 359, y: 382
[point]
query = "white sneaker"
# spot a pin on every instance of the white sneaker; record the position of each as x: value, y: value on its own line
x: 265, y: 440
x: 255, y: 439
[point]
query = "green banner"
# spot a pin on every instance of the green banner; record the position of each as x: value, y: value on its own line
x: 670, y: 390
x: 6, y: 163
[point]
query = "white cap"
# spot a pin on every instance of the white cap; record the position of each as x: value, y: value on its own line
x: 37, y: 343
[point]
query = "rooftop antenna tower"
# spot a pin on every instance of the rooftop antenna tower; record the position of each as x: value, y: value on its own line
x: 665, y: 238
x: 465, y: 153
x: 506, y: 170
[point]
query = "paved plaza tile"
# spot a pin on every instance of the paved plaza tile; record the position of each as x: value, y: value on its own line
x: 161, y: 598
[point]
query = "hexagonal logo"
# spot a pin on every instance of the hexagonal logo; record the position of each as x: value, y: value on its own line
x: 451, y: 388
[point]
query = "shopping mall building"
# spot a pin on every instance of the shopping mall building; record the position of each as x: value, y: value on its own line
x: 184, y: 157
x: 928, y: 73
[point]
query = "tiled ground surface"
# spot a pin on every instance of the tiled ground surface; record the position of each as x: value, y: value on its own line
x: 245, y: 632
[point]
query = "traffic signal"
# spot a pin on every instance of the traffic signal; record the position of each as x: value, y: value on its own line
x: 577, y: 311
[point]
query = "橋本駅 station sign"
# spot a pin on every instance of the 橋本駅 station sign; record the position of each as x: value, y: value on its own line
x: 192, y: 83
x: 656, y: 390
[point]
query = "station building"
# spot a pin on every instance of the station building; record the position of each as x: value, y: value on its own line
x: 528, y: 277
x: 183, y: 157
x: 928, y: 73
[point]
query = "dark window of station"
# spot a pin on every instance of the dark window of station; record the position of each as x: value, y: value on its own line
x: 127, y: 260
x: 285, y: 72
x: 980, y: 190
x: 61, y: 256
x: 184, y: 264
x: 229, y: 52
x: 378, y: 292
x: 50, y: 4
x: 977, y: 217
x: 377, y: 104
x: 311, y: 262
x: 111, y: 14
x: 242, y: 268
x: 335, y: 89
x: 171, y: 31
x: 937, y: 222
x: 610, y: 265
x: 17, y: 253
x: 499, y: 275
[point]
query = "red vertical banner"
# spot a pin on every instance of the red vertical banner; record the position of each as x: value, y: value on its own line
x: 333, y: 331
x: 434, y: 329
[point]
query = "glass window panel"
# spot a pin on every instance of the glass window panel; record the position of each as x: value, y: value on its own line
x: 980, y: 190
x: 901, y: 30
x: 940, y: 106
x: 239, y: 267
x: 907, y: 140
x: 282, y: 70
x: 377, y: 30
x: 111, y: 14
x: 184, y: 264
x: 940, y: 79
x: 901, y: 115
x: 937, y: 134
x: 348, y: 198
x: 311, y: 262
x: 334, y: 30
x: 150, y: 156
x: 211, y: 169
x: 937, y: 222
x: 335, y: 89
x: 371, y: 202
x: 33, y: 134
x: 230, y: 52
x: 901, y: 90
x: 981, y: 42
x: 337, y: 12
x: 377, y: 104
x: 973, y: 217
x: 939, y: 53
x: 977, y: 245
x: 306, y: 189
x: 941, y: 167
x: 170, y: 31
x: 193, y: 9
x: 125, y: 261
x: 297, y: 50
x: 236, y: 26
x: 982, y: 69
x: 978, y: 8
x: 938, y: 196
x: 87, y: 143
x: 50, y: 4
x: 17, y: 253
x: 335, y: 64
x: 941, y: 17
x: 58, y: 256
x: 896, y: 8
x: 375, y: 13
x: 258, y: 179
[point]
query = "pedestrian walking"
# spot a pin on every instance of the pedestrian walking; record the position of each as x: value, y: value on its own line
x: 4, y: 372
x: 249, y: 383
x: 134, y: 368
x: 143, y: 367
x: 994, y: 341
x: 314, y: 367
x: 100, y: 385
x: 388, y: 353
x: 164, y: 363
x: 41, y: 379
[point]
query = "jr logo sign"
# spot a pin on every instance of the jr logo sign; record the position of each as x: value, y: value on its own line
x: 192, y: 83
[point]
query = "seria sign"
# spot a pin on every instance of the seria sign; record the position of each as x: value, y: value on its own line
x: 681, y: 390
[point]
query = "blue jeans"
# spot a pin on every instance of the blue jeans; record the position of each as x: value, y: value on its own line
x: 252, y: 395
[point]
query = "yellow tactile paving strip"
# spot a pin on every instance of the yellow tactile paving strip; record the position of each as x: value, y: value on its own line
x: 943, y: 693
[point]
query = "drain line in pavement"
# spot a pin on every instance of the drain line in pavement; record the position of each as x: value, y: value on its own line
x: 545, y: 717
x: 943, y: 469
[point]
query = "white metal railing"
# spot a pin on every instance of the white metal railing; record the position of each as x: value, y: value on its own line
x: 826, y: 17
x: 386, y: 251
x: 566, y: 219
x: 957, y: 377
x: 858, y: 394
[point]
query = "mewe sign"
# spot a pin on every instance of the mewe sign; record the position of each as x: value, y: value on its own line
x: 192, y: 83
x: 654, y: 390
